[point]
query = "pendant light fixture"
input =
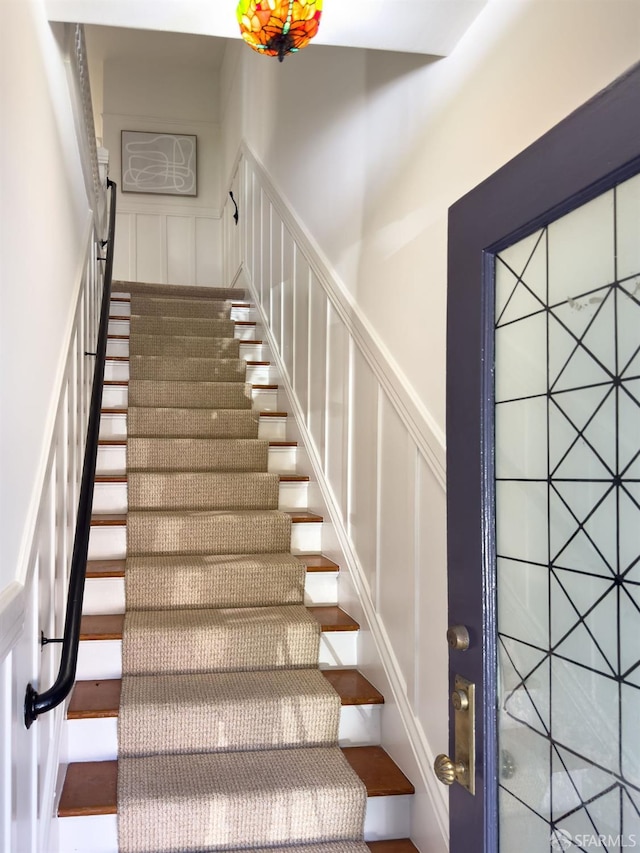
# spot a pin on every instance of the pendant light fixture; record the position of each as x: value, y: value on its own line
x: 278, y: 27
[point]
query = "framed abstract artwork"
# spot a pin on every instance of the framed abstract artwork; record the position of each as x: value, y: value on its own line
x: 159, y: 163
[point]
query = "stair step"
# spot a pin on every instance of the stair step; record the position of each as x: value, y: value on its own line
x: 122, y: 478
x: 90, y: 786
x: 100, y: 651
x: 119, y: 519
x: 263, y: 392
x: 108, y: 535
x: 111, y: 491
x: 117, y: 363
x: 104, y: 587
x: 116, y: 383
x: 272, y: 423
x: 393, y: 845
x: 112, y: 456
x: 92, y: 716
x: 115, y: 568
x: 109, y: 626
x: 100, y: 699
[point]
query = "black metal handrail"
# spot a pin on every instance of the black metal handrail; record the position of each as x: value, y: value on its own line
x: 39, y: 703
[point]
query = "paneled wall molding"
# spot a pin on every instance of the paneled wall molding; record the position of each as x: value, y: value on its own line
x: 418, y: 420
x: 378, y: 466
x: 130, y: 204
x: 159, y: 122
x: 12, y: 609
x: 169, y: 245
x: 422, y: 750
x: 35, y: 599
x: 28, y: 541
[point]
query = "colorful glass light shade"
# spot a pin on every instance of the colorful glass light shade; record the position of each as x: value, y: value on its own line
x: 278, y: 27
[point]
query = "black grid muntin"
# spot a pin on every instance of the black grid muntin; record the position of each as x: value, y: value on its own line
x: 546, y: 734
x: 554, y: 823
x: 616, y: 482
x: 572, y: 569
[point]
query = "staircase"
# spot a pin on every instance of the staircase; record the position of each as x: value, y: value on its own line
x: 88, y: 808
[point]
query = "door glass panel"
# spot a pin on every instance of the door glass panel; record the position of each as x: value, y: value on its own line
x: 567, y: 466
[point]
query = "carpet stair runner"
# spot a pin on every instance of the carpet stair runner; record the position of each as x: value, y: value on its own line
x: 227, y: 729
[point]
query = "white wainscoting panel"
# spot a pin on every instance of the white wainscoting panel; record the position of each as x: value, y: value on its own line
x: 168, y: 245
x: 37, y: 600
x: 378, y: 458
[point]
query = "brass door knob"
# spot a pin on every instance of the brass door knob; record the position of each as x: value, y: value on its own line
x: 447, y: 771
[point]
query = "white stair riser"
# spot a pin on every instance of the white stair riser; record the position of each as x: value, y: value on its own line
x: 110, y: 543
x: 117, y: 396
x: 99, y: 659
x: 119, y: 307
x: 112, y: 497
x: 120, y: 348
x: 260, y: 374
x: 385, y: 817
x: 113, y: 460
x: 118, y: 371
x: 103, y: 596
x: 122, y: 308
x: 97, y: 739
x: 271, y: 429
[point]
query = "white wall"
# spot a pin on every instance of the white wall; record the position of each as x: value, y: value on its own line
x: 163, y: 238
x: 386, y: 142
x: 367, y: 151
x: 44, y: 217
x: 47, y: 321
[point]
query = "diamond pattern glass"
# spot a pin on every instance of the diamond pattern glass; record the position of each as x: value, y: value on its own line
x: 567, y: 467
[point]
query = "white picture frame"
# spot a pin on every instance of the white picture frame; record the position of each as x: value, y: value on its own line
x: 159, y: 163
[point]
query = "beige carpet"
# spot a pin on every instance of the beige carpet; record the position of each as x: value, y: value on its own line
x: 227, y: 730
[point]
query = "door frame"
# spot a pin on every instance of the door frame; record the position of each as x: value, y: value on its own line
x: 594, y: 148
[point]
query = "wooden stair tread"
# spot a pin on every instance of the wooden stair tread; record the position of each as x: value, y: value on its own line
x: 109, y: 519
x: 126, y: 317
x: 109, y: 626
x: 100, y: 699
x: 394, y: 845
x: 105, y: 568
x: 90, y: 787
x: 304, y: 517
x: 105, y: 519
x: 333, y: 618
x: 122, y: 478
x: 127, y: 298
x: 122, y: 442
x: 121, y: 410
x: 382, y: 777
x: 115, y: 568
x: 114, y: 337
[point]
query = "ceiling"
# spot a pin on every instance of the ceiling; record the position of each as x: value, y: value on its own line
x: 430, y: 27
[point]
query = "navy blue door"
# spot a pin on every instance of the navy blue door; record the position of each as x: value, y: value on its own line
x: 508, y: 302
